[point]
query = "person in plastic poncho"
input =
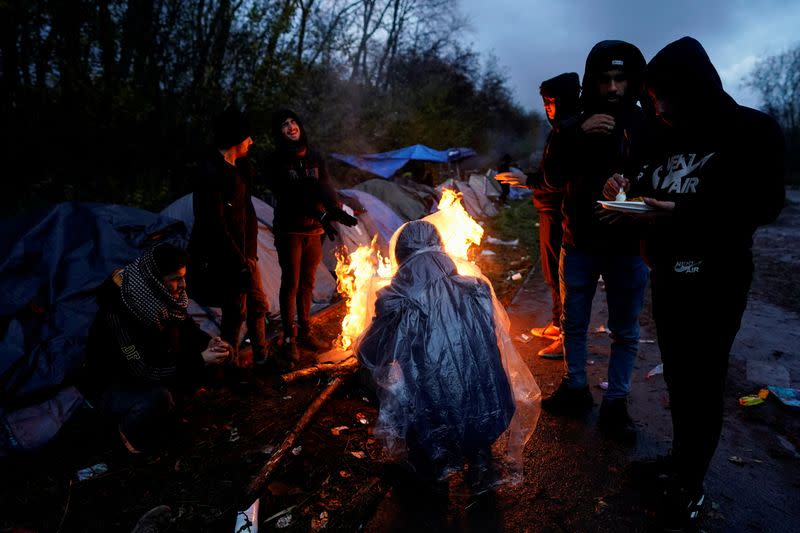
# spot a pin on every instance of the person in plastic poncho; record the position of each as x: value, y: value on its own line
x: 449, y: 381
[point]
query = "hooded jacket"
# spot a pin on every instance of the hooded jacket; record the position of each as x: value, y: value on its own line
x: 721, y: 163
x: 593, y: 158
x: 301, y: 185
x: 565, y: 89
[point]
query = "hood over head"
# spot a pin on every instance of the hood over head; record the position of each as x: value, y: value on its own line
x: 613, y: 55
x: 682, y: 74
x: 281, y: 142
x: 566, y: 90
x: 415, y: 236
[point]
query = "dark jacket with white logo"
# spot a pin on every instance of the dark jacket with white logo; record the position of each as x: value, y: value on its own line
x: 301, y: 184
x: 721, y: 163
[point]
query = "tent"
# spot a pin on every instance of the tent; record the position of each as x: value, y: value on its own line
x: 385, y: 164
x: 475, y: 201
x: 52, y: 262
x: 402, y: 202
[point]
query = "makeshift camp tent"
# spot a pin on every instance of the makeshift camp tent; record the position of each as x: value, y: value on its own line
x: 51, y: 264
x: 475, y: 202
x: 385, y: 164
x: 208, y: 318
x: 396, y: 197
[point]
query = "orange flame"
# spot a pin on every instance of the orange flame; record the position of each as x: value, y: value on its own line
x: 357, y: 271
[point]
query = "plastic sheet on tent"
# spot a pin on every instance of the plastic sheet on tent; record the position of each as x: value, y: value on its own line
x: 385, y: 164
x: 402, y: 202
x: 52, y: 262
x: 476, y: 204
x: 449, y: 379
x: 208, y: 318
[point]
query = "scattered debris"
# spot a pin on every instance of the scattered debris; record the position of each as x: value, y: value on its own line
x: 268, y: 449
x: 362, y: 418
x: 656, y: 370
x: 338, y: 430
x: 516, y: 276
x: 487, y: 252
x: 647, y: 341
x: 319, y: 522
x: 601, y: 505
x: 590, y: 362
x: 366, y: 400
x: 344, y: 474
x: 296, y: 451
x: 603, y: 385
x: 287, y: 397
x: 735, y: 459
x: 234, y: 435
x: 754, y: 399
x: 92, y: 471
x: 284, y: 521
x: 492, y: 240
x: 523, y: 338
x: 358, y: 455
x: 601, y: 329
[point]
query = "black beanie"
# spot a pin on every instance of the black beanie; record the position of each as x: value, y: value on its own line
x: 169, y: 258
x: 564, y: 85
x: 231, y: 127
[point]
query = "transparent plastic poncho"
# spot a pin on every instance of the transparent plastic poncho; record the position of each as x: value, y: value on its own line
x: 450, y: 382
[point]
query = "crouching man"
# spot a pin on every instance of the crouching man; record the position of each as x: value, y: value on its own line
x: 144, y: 348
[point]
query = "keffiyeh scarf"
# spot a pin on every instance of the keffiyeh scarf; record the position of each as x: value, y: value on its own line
x: 144, y: 294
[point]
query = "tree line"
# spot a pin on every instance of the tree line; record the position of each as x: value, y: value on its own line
x: 111, y: 100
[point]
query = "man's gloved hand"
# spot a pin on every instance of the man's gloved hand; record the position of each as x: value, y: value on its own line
x: 330, y: 231
x: 341, y: 216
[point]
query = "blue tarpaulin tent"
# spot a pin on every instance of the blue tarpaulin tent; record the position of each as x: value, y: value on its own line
x: 385, y: 164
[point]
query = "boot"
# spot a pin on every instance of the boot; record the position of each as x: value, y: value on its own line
x: 615, y: 421
x: 568, y: 401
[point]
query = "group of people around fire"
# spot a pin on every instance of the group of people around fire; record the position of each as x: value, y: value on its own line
x: 449, y: 382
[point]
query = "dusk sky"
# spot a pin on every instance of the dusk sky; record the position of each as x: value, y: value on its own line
x: 536, y: 40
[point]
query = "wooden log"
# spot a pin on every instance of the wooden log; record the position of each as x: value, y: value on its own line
x: 347, y: 365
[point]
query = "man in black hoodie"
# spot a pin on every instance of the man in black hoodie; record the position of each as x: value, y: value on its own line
x: 715, y: 174
x: 305, y: 208
x: 560, y: 96
x: 223, y: 248
x: 607, y: 141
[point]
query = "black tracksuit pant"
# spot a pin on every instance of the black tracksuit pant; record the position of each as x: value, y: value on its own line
x: 697, y: 316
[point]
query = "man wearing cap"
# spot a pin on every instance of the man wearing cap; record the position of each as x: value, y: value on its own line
x: 223, y: 246
x: 608, y: 140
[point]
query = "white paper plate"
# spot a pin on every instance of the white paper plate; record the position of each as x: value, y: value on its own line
x: 626, y: 207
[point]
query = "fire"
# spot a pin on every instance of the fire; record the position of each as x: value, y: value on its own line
x: 354, y: 272
x: 362, y: 272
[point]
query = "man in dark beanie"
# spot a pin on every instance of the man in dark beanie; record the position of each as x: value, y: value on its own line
x: 305, y: 208
x: 560, y: 97
x: 144, y: 348
x: 223, y: 248
x: 606, y: 142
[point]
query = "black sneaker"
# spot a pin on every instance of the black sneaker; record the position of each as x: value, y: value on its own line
x: 289, y: 351
x: 615, y: 422
x: 567, y: 401
x: 680, y: 510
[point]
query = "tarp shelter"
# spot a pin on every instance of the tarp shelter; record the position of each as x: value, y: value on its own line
x: 475, y: 202
x: 208, y: 318
x: 385, y: 164
x: 396, y: 197
x: 51, y: 264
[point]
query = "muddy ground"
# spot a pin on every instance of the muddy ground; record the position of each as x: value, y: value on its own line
x: 575, y: 480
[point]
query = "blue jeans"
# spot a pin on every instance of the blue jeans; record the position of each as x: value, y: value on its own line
x: 625, y: 278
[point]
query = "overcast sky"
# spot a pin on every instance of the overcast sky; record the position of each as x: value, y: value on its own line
x: 534, y: 40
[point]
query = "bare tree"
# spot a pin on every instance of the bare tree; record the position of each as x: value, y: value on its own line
x: 777, y: 81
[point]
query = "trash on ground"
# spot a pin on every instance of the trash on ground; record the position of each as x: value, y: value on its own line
x: 92, y: 471
x: 656, y: 370
x: 603, y: 385
x: 601, y: 505
x: 590, y: 362
x: 647, y: 341
x: 338, y: 430
x: 362, y: 418
x: 234, y: 435
x: 735, y: 459
x: 269, y: 449
x: 287, y: 397
x: 754, y: 399
x: 358, y: 455
x: 487, y: 252
x: 516, y: 276
x: 523, y: 338
x: 601, y: 329
x: 492, y: 240
x: 366, y: 400
x: 247, y: 521
x: 284, y: 521
x: 296, y: 451
x: 319, y: 522
x: 344, y: 473
x: 788, y: 397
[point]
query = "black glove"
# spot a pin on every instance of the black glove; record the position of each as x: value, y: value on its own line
x: 327, y: 225
x: 341, y: 216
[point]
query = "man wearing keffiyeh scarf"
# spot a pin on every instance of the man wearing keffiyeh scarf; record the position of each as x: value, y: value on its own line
x: 144, y: 347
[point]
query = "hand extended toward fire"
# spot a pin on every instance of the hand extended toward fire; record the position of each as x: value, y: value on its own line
x: 217, y: 351
x: 599, y: 123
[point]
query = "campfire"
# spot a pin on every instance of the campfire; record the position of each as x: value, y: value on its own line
x: 363, y: 272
